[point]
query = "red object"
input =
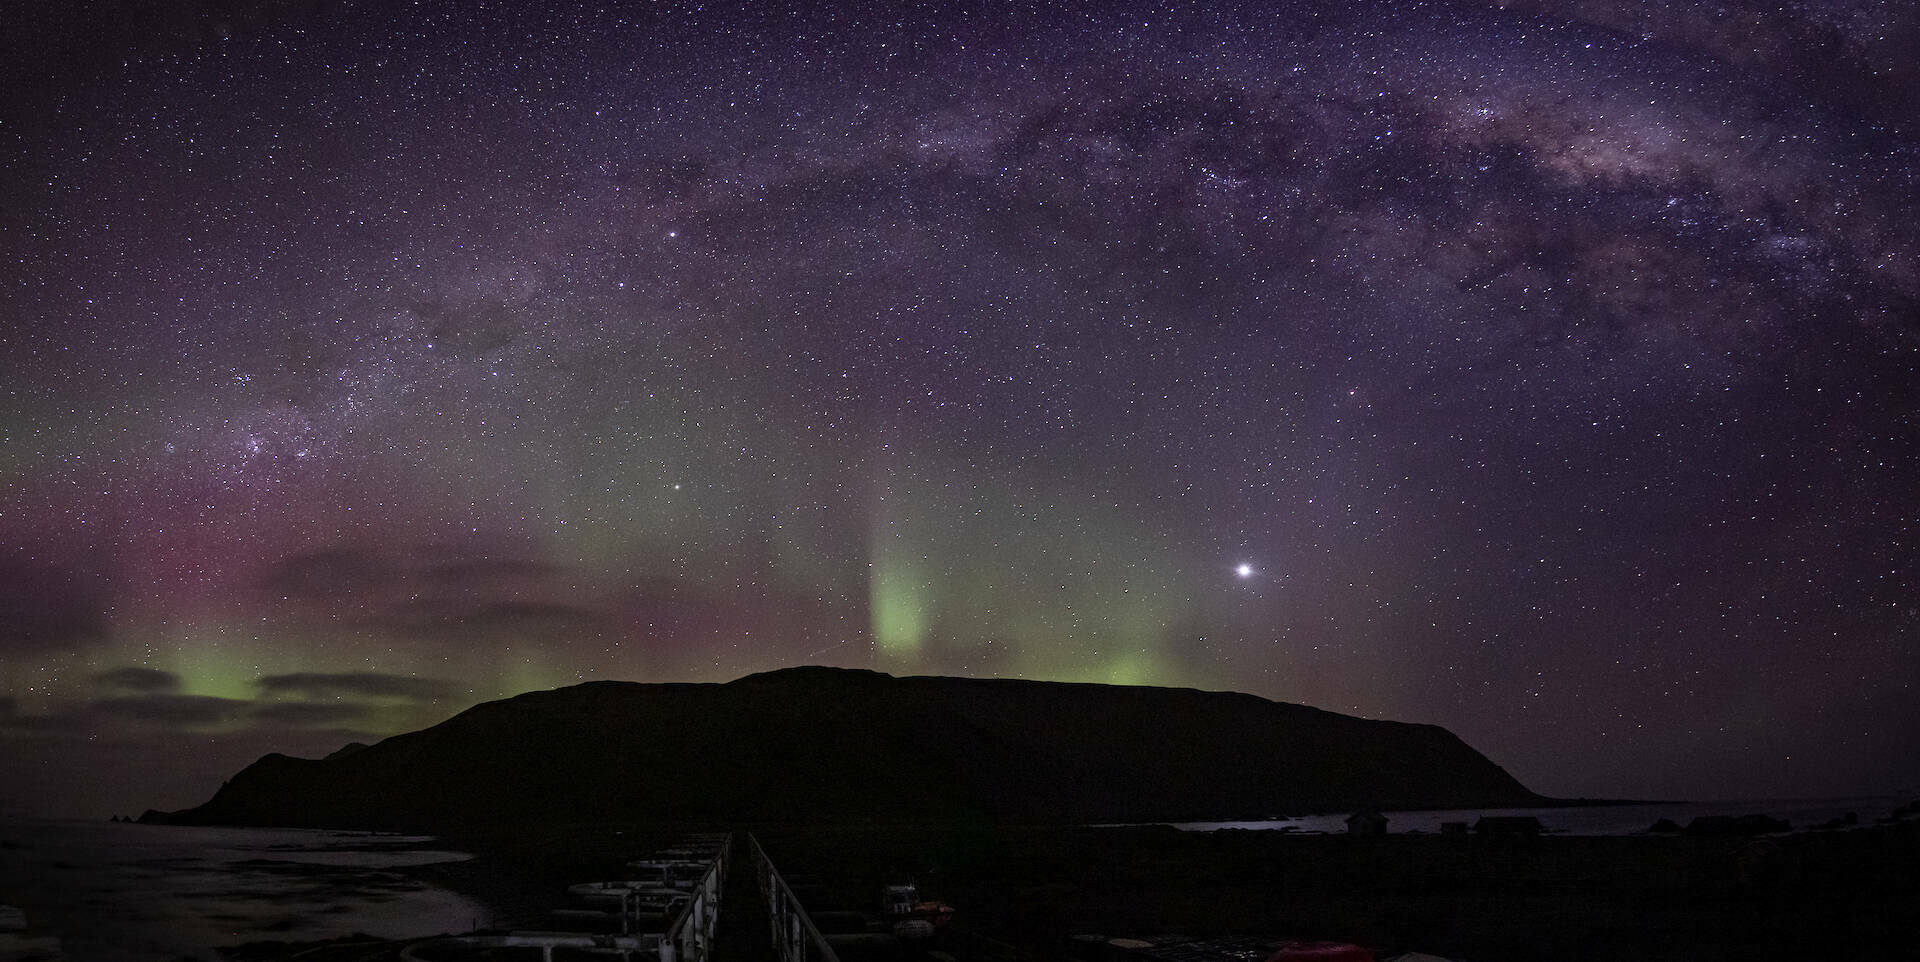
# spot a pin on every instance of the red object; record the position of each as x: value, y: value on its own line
x: 1320, y: 952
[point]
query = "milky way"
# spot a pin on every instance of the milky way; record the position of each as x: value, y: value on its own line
x: 1542, y: 370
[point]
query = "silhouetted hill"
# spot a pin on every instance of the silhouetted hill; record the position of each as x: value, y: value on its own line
x: 826, y: 744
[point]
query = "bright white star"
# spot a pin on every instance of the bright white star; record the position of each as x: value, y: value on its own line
x: 1244, y: 571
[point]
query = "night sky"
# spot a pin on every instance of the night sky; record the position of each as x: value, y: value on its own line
x: 1544, y: 370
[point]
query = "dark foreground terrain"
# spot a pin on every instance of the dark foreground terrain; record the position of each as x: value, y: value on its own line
x: 1845, y: 895
x: 1805, y: 896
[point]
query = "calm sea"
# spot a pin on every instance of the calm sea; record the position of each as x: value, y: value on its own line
x: 151, y: 892
x: 1601, y: 820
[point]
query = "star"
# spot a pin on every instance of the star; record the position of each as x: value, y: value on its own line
x: 1093, y: 335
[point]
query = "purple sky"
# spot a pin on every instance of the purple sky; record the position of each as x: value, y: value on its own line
x: 1542, y: 370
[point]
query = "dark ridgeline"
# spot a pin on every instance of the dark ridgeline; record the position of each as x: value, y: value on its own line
x: 825, y: 744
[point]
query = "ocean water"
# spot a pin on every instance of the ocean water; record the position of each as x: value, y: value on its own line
x: 117, y: 891
x: 1598, y: 820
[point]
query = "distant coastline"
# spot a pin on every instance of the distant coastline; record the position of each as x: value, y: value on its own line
x: 1604, y: 819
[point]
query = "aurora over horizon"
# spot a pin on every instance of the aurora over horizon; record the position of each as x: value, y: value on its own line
x: 1543, y: 370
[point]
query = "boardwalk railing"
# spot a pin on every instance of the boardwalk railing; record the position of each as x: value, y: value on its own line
x: 688, y: 937
x: 795, y: 939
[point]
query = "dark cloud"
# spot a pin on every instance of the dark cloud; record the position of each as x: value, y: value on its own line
x: 489, y: 571
x: 11, y: 720
x: 328, y: 574
x: 186, y: 711
x: 167, y: 711
x: 444, y: 592
x: 350, y: 572
x: 133, y: 679
x: 306, y: 714
x: 59, y: 723
x: 367, y: 684
x: 47, y: 608
x: 532, y: 622
x: 531, y: 616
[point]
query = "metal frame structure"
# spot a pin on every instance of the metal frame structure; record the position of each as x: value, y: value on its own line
x: 795, y: 939
x: 688, y: 937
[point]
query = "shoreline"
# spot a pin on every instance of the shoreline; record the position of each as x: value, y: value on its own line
x: 1647, y: 898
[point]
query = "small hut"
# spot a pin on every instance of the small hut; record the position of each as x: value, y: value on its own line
x: 1366, y: 823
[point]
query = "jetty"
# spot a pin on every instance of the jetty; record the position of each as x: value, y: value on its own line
x: 668, y: 908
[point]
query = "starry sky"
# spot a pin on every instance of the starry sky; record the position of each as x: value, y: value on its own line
x: 1542, y: 369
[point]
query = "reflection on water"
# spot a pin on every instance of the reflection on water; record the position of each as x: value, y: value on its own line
x: 138, y: 892
x: 1598, y: 820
